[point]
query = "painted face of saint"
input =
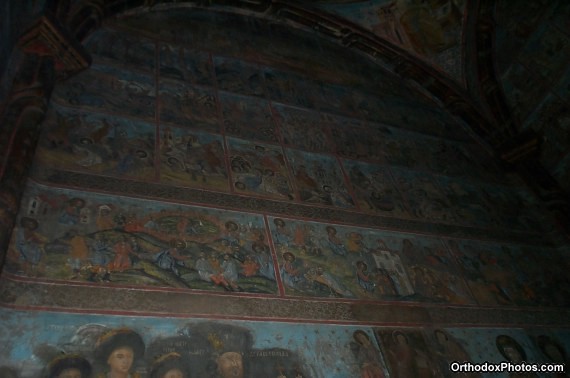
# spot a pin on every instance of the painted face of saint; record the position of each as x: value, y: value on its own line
x: 554, y: 353
x: 512, y: 354
x: 173, y: 373
x: 362, y: 339
x: 121, y: 360
x: 402, y: 340
x: 230, y: 365
x: 70, y: 373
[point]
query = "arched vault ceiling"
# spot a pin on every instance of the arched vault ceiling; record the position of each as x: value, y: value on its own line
x: 431, y: 30
x: 532, y: 51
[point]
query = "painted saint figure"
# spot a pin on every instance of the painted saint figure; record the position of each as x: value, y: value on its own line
x: 514, y: 353
x: 170, y: 259
x: 291, y: 272
x: 364, y: 279
x: 230, y: 272
x: 119, y: 349
x: 282, y: 235
x: 449, y: 350
x: 29, y: 245
x: 334, y: 242
x: 71, y: 213
x: 367, y: 356
x: 123, y: 251
x: 69, y: 366
x: 79, y: 252
x: 170, y: 365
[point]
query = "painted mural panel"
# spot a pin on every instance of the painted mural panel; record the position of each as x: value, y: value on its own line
x: 429, y: 352
x: 318, y: 179
x: 338, y: 99
x: 259, y: 169
x: 400, y: 147
x: 180, y: 63
x: 189, y: 106
x: 288, y: 88
x: 334, y: 121
x: 302, y: 129
x: 448, y: 348
x: 492, y: 273
x: 86, y: 237
x: 193, y: 158
x: 97, y: 143
x: 248, y: 117
x: 407, y: 353
x: 464, y: 160
x: 498, y: 345
x: 475, y: 345
x: 372, y: 103
x: 123, y: 49
x: 110, y: 90
x: 544, y: 273
x: 553, y: 346
x: 225, y: 33
x: 374, y: 189
x: 361, y: 144
x: 417, y: 151
x: 347, y: 262
x: 423, y: 195
x: 239, y: 77
x: 334, y: 261
x: 432, y: 270
x: 415, y: 116
x: 292, y: 49
x: 469, y: 205
x: 38, y: 344
x: 516, y: 207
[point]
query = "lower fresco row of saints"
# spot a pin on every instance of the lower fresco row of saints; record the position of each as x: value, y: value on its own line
x: 57, y: 345
x: 78, y: 236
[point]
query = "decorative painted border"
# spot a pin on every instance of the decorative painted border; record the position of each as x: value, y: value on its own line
x: 262, y: 205
x: 127, y: 301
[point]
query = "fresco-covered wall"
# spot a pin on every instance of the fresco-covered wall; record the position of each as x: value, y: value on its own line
x: 38, y: 344
x: 220, y: 156
x: 70, y: 235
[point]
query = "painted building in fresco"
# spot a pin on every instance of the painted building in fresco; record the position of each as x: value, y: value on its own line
x: 271, y: 190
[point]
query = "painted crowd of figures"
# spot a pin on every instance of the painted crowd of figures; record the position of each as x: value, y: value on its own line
x: 231, y: 125
x: 162, y: 348
x: 68, y: 235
